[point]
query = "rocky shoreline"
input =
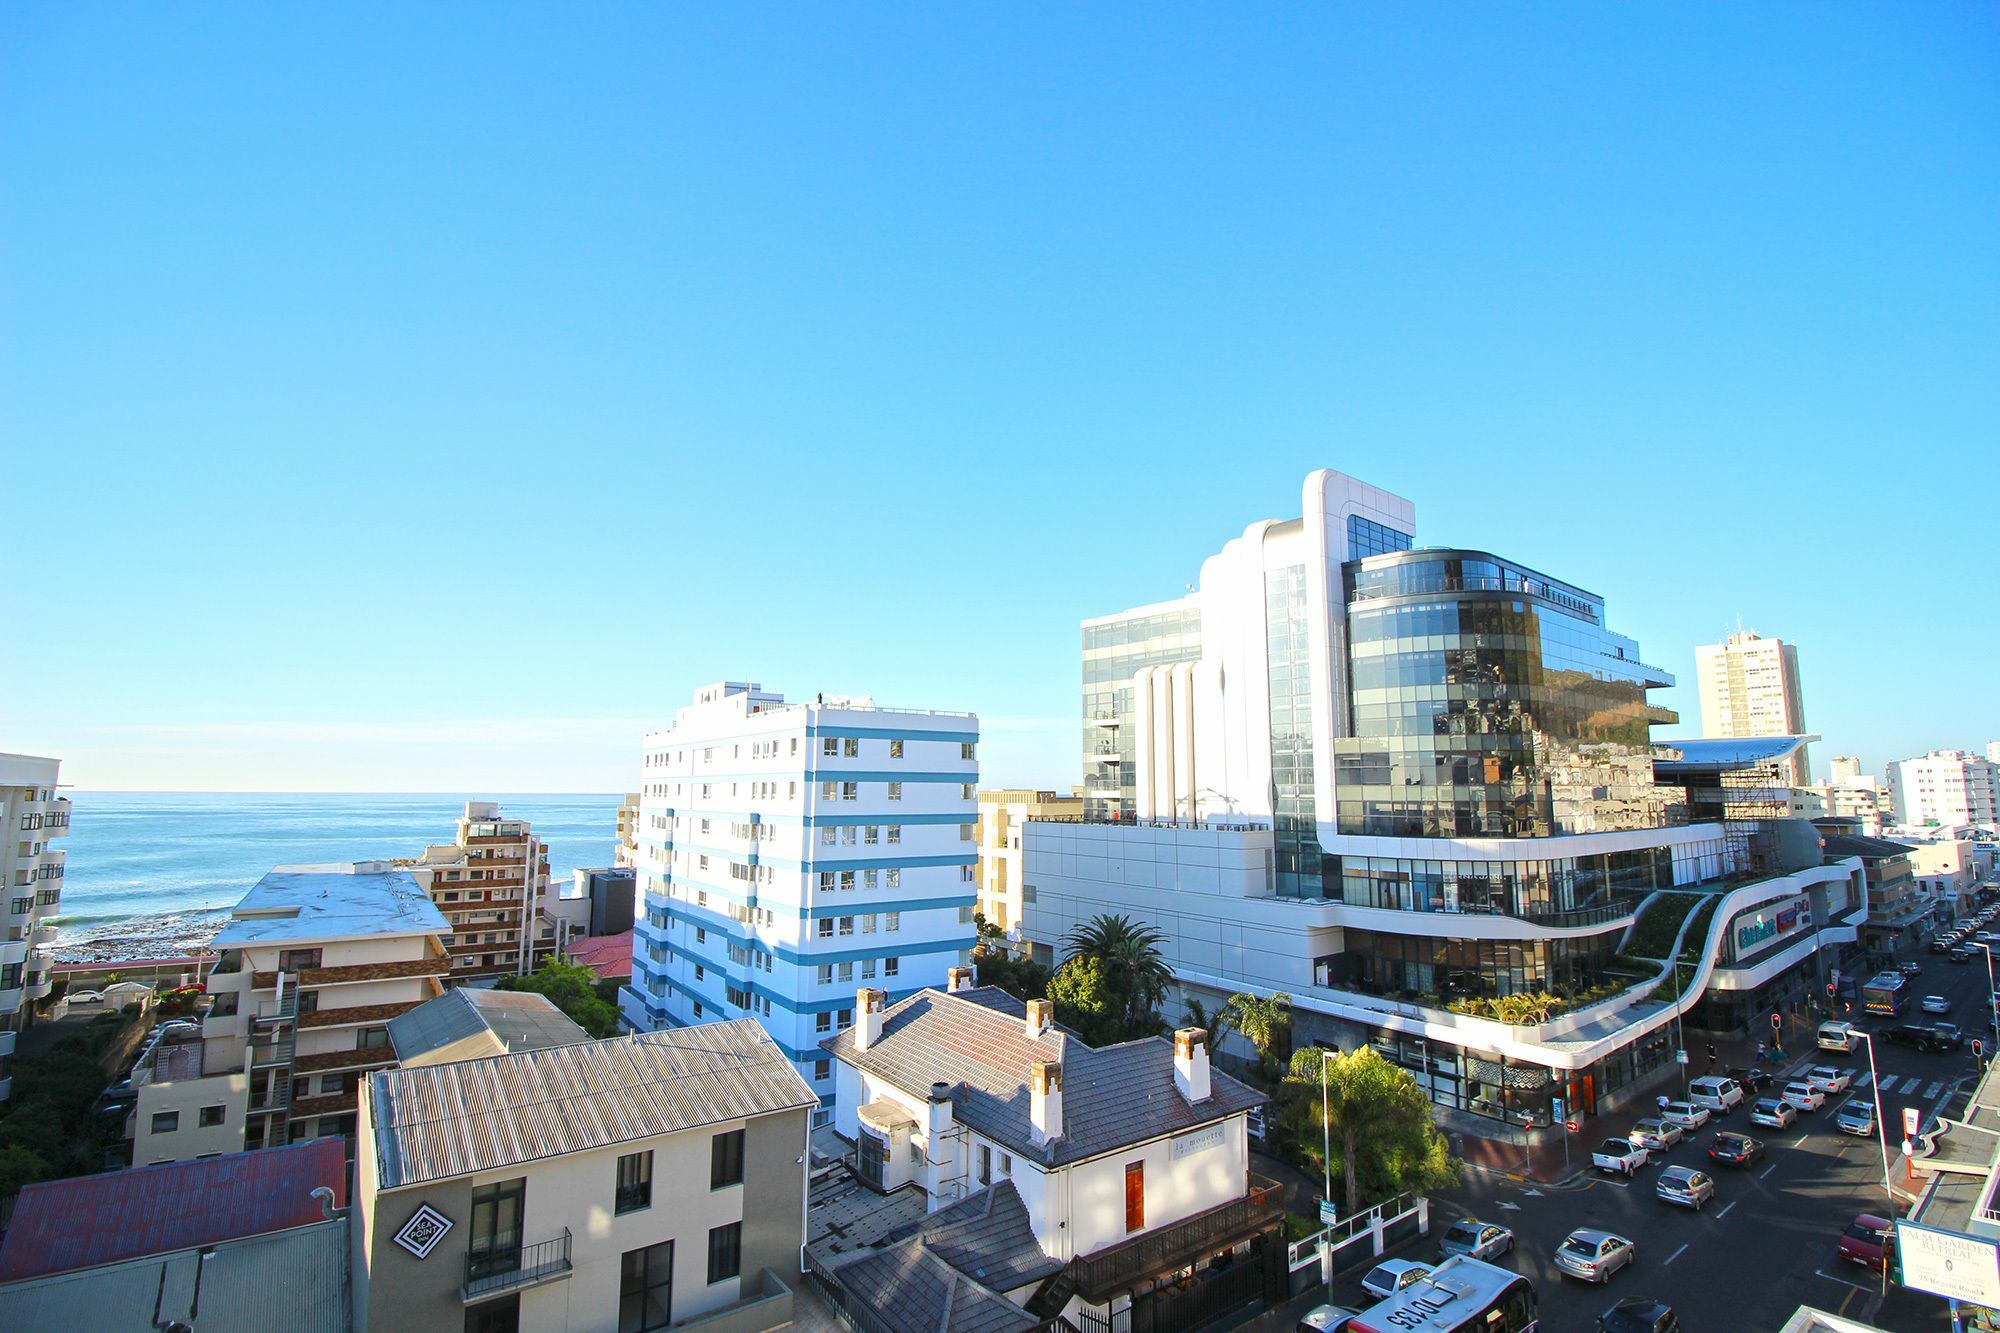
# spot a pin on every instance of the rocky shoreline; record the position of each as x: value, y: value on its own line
x: 165, y: 936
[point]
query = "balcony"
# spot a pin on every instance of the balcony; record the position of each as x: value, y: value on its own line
x: 1109, y: 1272
x: 6, y: 1044
x: 489, y: 1275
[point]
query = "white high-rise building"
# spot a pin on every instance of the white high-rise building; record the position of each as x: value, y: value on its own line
x: 1945, y: 788
x: 791, y: 853
x: 1750, y: 687
x: 31, y: 816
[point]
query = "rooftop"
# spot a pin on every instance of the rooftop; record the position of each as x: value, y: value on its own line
x: 84, y: 1221
x: 1113, y: 1096
x: 512, y: 1020
x: 1850, y: 844
x: 610, y: 956
x: 1722, y: 754
x: 324, y: 902
x: 438, y: 1121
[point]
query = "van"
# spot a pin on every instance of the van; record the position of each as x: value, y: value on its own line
x: 1718, y: 1094
x: 1836, y: 1036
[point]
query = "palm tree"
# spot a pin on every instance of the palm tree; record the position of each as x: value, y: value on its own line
x: 1262, y: 1020
x: 1129, y: 955
x: 1215, y: 1024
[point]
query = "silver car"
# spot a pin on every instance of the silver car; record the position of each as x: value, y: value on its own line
x: 1685, y: 1186
x: 1593, y: 1255
x: 1480, y: 1240
x: 1656, y: 1135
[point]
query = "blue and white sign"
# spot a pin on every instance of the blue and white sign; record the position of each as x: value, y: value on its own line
x: 1328, y: 1214
x: 1945, y: 1263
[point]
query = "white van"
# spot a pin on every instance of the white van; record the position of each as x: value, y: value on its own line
x: 1718, y: 1094
x: 1836, y: 1036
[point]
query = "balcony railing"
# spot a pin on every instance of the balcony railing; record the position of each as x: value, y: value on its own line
x: 492, y: 1274
x: 1108, y: 1272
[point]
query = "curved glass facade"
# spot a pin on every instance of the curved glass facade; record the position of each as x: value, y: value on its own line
x: 1577, y: 891
x: 1434, y: 970
x: 1490, y: 701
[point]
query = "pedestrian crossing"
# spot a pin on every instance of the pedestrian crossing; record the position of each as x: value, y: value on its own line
x: 1909, y: 1085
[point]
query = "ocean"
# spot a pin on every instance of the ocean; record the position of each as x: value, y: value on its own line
x: 151, y: 873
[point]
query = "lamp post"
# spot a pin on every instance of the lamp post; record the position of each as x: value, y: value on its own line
x: 1992, y: 999
x: 1881, y: 1131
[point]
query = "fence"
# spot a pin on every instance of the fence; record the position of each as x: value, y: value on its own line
x: 1407, y: 1214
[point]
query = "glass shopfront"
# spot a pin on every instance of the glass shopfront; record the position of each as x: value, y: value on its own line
x: 1572, y: 891
x: 1432, y: 970
x: 1491, y: 1085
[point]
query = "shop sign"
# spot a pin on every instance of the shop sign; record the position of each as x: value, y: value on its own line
x: 1770, y: 923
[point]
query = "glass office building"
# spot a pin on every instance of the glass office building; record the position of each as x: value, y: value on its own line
x: 1116, y: 648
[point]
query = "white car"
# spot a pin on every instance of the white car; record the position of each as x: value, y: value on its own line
x: 1621, y: 1157
x: 1803, y: 1095
x: 1656, y: 1135
x: 1772, y: 1113
x: 1936, y: 1004
x: 1685, y: 1114
x: 1326, y: 1319
x: 86, y: 997
x: 1829, y: 1079
x: 1392, y: 1275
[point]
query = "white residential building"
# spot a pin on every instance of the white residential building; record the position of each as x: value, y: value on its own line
x: 790, y: 852
x: 32, y: 816
x: 1749, y: 687
x: 1001, y: 816
x: 1947, y: 789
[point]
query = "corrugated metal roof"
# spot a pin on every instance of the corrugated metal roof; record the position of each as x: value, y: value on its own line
x: 516, y: 1020
x: 438, y: 1121
x: 59, y: 1225
x: 292, y: 1281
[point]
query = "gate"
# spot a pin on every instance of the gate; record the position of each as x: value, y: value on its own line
x: 1210, y: 1295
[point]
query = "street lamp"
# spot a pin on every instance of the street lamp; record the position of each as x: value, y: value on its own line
x: 1875, y: 1093
x: 1992, y: 998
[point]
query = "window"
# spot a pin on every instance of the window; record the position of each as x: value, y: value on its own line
x: 847, y: 880
x: 830, y: 747
x: 868, y: 879
x: 846, y: 971
x: 828, y: 790
x: 891, y: 966
x: 725, y: 1160
x: 826, y: 836
x: 725, y: 1252
x: 985, y: 1165
x: 965, y: 916
x: 296, y: 960
x: 893, y: 876
x: 635, y: 1182
x: 493, y: 1239
x: 895, y: 833
x: 822, y: 1070
x: 1006, y: 1164
x: 892, y: 921
x: 823, y: 1021
x: 967, y: 750
x: 869, y: 834
x: 847, y: 925
x: 824, y: 976
x: 966, y: 792
x: 847, y: 835
x: 1135, y: 1196
x: 965, y: 830
x: 212, y: 1116
x: 497, y: 1316
x: 850, y: 790
x: 851, y: 747
x: 896, y: 748
x: 166, y: 1122
x: 646, y: 1288
x: 869, y: 923
x: 868, y: 969
x: 824, y: 927
x: 895, y: 794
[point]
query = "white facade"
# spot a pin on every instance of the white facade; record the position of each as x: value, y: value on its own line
x: 1749, y: 686
x: 32, y: 816
x: 1945, y: 788
x: 788, y: 853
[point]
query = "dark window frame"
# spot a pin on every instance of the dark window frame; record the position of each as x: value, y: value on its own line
x: 634, y: 1189
x: 725, y: 1159
x: 651, y: 1260
x: 725, y: 1252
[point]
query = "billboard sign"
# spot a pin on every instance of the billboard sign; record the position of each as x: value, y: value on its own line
x: 1945, y: 1263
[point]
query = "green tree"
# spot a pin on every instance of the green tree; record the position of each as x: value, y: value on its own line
x: 572, y: 988
x: 1132, y: 967
x: 1020, y: 977
x: 1264, y: 1021
x: 1196, y: 1015
x: 988, y: 935
x: 1377, y: 1118
x: 1087, y: 1003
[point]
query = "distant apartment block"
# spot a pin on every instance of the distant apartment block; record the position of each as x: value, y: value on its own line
x: 1749, y: 687
x: 1117, y: 650
x: 313, y: 964
x: 32, y: 816
x: 626, y: 857
x: 492, y: 884
x: 789, y: 852
x: 1946, y: 789
x: 1001, y: 815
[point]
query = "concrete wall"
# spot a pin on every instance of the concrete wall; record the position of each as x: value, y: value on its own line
x: 1176, y: 1188
x: 188, y: 1096
x: 773, y: 1202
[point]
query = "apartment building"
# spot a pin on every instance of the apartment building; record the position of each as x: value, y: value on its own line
x: 314, y: 962
x: 791, y: 851
x: 1749, y: 687
x: 1946, y: 789
x: 491, y: 882
x: 670, y: 1189
x: 32, y: 816
x: 626, y: 856
x: 1001, y: 814
x: 1056, y: 1179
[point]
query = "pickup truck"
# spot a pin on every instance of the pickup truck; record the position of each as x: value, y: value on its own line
x: 1621, y: 1157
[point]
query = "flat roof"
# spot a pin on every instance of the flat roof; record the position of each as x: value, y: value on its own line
x: 1722, y: 754
x: 337, y: 901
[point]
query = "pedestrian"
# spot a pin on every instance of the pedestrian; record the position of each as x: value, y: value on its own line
x: 1663, y: 1101
x: 1761, y: 1048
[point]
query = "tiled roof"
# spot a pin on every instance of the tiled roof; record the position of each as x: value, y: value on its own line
x: 911, y: 1289
x: 438, y: 1121
x: 89, y: 1220
x: 610, y: 956
x: 1113, y: 1096
x: 989, y: 1237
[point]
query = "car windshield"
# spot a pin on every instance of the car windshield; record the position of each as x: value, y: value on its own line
x: 1728, y: 1142
x: 1463, y: 1232
x: 1582, y: 1249
x: 1676, y: 1175
x: 1618, y: 1147
x: 1863, y: 1232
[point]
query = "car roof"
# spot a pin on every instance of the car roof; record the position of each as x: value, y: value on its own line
x: 1401, y: 1265
x: 1680, y: 1171
x: 1592, y: 1234
x: 1875, y: 1220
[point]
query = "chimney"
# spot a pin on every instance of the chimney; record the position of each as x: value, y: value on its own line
x: 1041, y: 1017
x: 867, y: 1017
x: 957, y: 979
x: 943, y: 1182
x: 1045, y: 1100
x: 1191, y: 1064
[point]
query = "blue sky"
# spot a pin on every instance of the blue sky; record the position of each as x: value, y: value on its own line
x: 428, y: 397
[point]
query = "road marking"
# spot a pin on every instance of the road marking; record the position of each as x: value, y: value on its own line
x: 1767, y: 1170
x: 1724, y: 1211
x: 1835, y: 1277
x: 1677, y: 1254
x: 1932, y: 1090
x: 1862, y: 1082
x: 1510, y: 1207
x: 1800, y: 1139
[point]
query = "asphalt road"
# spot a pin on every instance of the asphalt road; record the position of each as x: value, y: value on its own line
x: 1767, y: 1243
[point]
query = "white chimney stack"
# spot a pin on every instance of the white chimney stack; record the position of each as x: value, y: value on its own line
x: 1041, y: 1017
x: 1191, y: 1064
x: 944, y: 1183
x: 957, y: 979
x: 1045, y: 1099
x: 867, y: 1017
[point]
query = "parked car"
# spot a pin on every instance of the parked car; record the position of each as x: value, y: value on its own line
x: 1936, y: 1004
x: 1959, y: 954
x: 1639, y: 1314
x: 1857, y: 1117
x: 1326, y: 1319
x: 1656, y: 1135
x: 1869, y: 1241
x: 1941, y: 944
x: 1685, y: 1114
x: 1829, y: 1079
x: 1735, y: 1149
x: 1593, y: 1255
x: 1480, y: 1240
x: 1392, y: 1275
x: 86, y: 997
x: 1804, y: 1095
x: 1685, y: 1186
x: 1621, y: 1157
x: 1752, y: 1080
x: 1716, y: 1094
x: 1773, y: 1113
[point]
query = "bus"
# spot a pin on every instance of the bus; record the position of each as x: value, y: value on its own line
x: 1462, y: 1295
x: 1884, y: 994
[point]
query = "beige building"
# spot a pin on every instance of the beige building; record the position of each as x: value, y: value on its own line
x: 1947, y: 869
x: 314, y: 963
x: 32, y: 816
x: 492, y: 884
x: 626, y: 857
x: 636, y: 1183
x: 1001, y: 814
x: 1749, y: 686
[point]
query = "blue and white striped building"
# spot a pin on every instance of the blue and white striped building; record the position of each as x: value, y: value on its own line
x: 789, y: 854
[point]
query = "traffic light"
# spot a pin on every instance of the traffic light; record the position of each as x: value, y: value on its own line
x: 1978, y: 1046
x: 1829, y: 988
x: 1777, y: 1023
